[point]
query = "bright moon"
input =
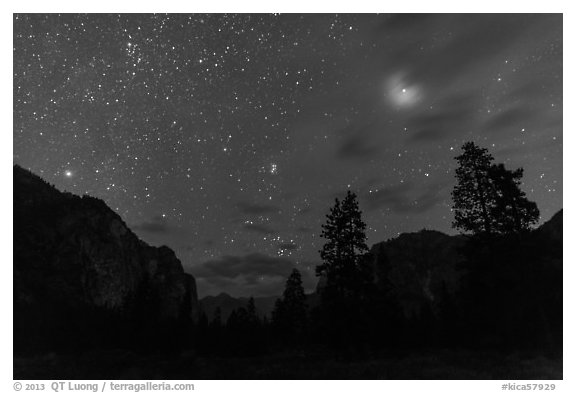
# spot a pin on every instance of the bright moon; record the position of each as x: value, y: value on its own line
x: 401, y: 92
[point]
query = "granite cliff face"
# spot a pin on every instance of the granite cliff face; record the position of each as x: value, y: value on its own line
x: 421, y: 268
x: 74, y: 252
x: 425, y: 267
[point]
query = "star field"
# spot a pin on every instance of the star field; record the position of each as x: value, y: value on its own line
x: 227, y: 137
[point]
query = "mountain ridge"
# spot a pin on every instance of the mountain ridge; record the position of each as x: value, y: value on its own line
x: 426, y: 266
x: 73, y: 254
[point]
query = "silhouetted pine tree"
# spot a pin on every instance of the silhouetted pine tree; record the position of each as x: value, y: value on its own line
x: 203, y: 321
x: 252, y: 319
x: 278, y: 315
x: 501, y: 304
x: 473, y: 195
x: 204, y: 340
x: 344, y: 311
x: 295, y: 302
x: 343, y: 254
x: 487, y: 197
x: 232, y: 321
x: 216, y: 332
x: 217, y: 319
x: 289, y: 315
x: 512, y: 212
x: 244, y: 330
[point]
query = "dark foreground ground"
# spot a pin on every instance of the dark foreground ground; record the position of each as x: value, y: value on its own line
x: 439, y: 364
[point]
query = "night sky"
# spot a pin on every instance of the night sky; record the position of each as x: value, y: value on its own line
x: 227, y: 137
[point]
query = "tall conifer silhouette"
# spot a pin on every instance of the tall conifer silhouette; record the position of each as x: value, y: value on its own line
x: 345, y: 248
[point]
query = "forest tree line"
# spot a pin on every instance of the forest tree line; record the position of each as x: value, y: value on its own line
x: 511, y: 296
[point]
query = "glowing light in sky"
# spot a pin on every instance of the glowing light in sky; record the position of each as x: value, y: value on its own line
x: 401, y: 92
x: 68, y: 173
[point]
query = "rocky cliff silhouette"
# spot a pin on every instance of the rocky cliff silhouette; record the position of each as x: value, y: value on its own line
x: 420, y: 268
x: 423, y: 269
x: 74, y: 258
x: 503, y: 291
